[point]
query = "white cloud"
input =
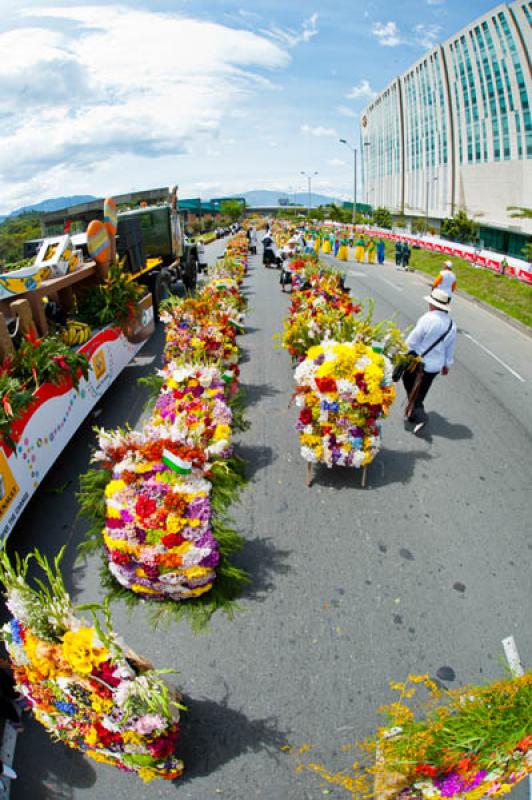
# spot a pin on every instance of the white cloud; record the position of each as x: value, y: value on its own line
x: 318, y: 131
x: 84, y: 86
x: 435, y: 2
x: 363, y: 89
x: 289, y: 37
x: 345, y: 111
x: 387, y: 33
x: 337, y: 162
x: 427, y: 35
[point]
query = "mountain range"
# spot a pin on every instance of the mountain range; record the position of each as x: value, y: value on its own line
x: 255, y: 197
x: 262, y: 197
x: 50, y: 205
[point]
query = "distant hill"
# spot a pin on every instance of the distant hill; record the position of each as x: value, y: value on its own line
x: 53, y: 204
x: 262, y: 197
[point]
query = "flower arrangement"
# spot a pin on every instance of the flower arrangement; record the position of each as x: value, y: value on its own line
x: 466, y: 744
x: 167, y: 486
x: 35, y: 361
x: 342, y: 390
x: 81, y: 682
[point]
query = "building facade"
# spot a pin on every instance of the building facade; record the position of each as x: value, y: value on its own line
x: 455, y: 130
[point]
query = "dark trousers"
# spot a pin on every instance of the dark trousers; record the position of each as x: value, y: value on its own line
x: 409, y: 379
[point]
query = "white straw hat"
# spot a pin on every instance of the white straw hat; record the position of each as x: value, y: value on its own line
x: 439, y: 299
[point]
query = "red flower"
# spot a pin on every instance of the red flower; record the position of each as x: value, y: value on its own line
x: 105, y: 673
x: 164, y: 746
x: 172, y: 540
x: 466, y: 764
x: 426, y: 769
x: 145, y: 506
x: 305, y: 416
x: 119, y: 558
x: 326, y: 384
x: 524, y: 744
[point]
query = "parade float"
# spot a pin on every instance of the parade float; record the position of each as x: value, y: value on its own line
x: 162, y: 526
x: 81, y: 682
x: 69, y: 324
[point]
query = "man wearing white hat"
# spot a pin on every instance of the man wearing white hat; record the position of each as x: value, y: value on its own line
x: 446, y: 279
x: 433, y: 340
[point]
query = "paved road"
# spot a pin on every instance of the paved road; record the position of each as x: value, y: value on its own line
x: 426, y: 570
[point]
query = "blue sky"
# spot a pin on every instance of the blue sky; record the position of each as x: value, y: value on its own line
x: 220, y: 97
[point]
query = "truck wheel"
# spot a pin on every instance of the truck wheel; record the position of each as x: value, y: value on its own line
x: 160, y: 290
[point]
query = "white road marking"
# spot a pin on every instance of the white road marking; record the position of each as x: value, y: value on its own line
x: 393, y: 285
x: 357, y: 274
x: 496, y: 358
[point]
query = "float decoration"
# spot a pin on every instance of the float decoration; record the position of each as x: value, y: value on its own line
x: 81, y: 682
x: 465, y: 744
x: 161, y: 499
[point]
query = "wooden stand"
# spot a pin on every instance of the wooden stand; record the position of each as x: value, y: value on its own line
x: 55, y: 287
x: 363, y: 477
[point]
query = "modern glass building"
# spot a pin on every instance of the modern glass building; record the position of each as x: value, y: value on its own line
x: 455, y: 130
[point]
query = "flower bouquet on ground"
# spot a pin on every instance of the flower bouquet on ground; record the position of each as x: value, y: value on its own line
x: 465, y: 744
x: 81, y: 682
x: 342, y: 390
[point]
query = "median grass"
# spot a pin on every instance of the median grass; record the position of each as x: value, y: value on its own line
x: 506, y: 294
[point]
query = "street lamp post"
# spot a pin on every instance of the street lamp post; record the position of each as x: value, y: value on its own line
x: 354, y: 151
x: 365, y: 154
x: 309, y: 178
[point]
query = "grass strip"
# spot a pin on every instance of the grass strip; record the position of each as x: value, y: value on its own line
x: 500, y: 291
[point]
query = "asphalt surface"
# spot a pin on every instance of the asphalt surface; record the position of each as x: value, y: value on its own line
x: 424, y: 571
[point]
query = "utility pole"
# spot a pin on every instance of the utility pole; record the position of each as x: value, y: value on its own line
x: 309, y: 179
x: 354, y: 151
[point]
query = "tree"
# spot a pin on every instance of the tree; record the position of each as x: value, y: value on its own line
x: 418, y: 226
x: 400, y: 222
x: 382, y: 218
x: 14, y: 231
x: 460, y: 228
x: 232, y: 209
x: 527, y: 251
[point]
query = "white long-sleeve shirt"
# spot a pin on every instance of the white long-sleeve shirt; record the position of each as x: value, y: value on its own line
x: 428, y: 328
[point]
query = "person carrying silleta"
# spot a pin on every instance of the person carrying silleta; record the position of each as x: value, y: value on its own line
x: 433, y: 341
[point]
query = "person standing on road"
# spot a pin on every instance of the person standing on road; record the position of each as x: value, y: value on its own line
x: 405, y: 256
x: 380, y: 251
x: 253, y: 241
x: 372, y: 251
x: 360, y: 249
x: 446, y: 279
x: 433, y: 340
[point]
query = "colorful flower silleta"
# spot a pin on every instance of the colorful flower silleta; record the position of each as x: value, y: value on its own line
x: 343, y: 389
x: 158, y: 535
x: 82, y: 683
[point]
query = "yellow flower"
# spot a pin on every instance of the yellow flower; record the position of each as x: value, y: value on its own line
x: 193, y: 573
x: 92, y: 737
x: 199, y: 590
x: 175, y: 523
x: 113, y: 487
x: 79, y: 652
x: 102, y: 705
x: 148, y: 774
x: 136, y: 587
x: 130, y: 737
x: 112, y: 513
